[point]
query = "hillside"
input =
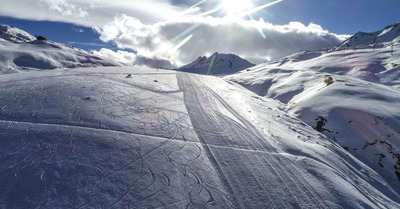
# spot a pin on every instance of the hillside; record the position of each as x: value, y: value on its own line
x: 20, y: 51
x: 351, y: 95
x: 217, y: 64
x: 95, y: 137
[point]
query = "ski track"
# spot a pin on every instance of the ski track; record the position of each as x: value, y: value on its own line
x: 267, y: 175
x: 150, y: 163
x: 59, y: 155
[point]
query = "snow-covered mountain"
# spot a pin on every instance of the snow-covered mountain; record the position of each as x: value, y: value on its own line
x: 115, y: 138
x: 352, y: 95
x: 20, y: 51
x: 388, y: 36
x: 15, y: 35
x: 136, y: 137
x: 217, y: 64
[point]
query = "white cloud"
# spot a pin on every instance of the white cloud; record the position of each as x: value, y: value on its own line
x: 256, y: 41
x: 78, y: 30
x: 64, y: 8
x: 159, y: 30
x: 130, y: 58
x: 120, y: 56
x: 89, y: 13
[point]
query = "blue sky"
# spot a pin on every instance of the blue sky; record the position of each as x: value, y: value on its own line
x: 72, y: 22
x: 338, y: 16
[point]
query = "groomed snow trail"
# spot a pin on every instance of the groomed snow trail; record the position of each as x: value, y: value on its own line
x: 252, y: 172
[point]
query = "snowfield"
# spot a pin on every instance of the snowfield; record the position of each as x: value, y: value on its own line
x: 350, y: 93
x: 317, y: 130
x: 93, y: 137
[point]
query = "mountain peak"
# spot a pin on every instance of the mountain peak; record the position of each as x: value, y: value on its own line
x: 381, y: 38
x: 217, y: 63
x: 15, y: 35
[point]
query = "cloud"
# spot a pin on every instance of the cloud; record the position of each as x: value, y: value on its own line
x: 78, y: 30
x: 64, y: 8
x: 172, y: 33
x: 120, y: 56
x: 90, y: 13
x: 256, y: 41
x: 130, y: 58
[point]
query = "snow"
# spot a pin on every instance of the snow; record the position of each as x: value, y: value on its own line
x: 20, y: 51
x: 387, y: 36
x: 217, y: 64
x: 91, y: 137
x: 16, y: 35
x: 360, y: 106
x: 137, y: 137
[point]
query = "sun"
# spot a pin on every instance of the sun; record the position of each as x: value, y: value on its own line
x: 234, y: 8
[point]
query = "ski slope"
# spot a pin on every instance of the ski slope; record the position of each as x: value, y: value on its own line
x: 98, y: 138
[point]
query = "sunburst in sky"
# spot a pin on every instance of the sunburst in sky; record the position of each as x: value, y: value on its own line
x: 181, y: 30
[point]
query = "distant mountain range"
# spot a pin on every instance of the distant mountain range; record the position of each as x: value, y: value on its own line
x: 387, y: 36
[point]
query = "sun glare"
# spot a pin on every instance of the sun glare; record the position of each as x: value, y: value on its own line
x: 236, y: 7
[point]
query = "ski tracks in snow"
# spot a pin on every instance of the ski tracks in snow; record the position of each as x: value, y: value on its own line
x: 262, y: 179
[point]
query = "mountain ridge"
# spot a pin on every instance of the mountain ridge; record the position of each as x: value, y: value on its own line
x: 377, y: 39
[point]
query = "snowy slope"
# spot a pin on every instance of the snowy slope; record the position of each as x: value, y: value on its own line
x: 15, y: 35
x: 95, y: 138
x: 357, y: 91
x: 20, y: 51
x: 217, y: 64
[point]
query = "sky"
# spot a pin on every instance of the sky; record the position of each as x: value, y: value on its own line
x: 171, y: 33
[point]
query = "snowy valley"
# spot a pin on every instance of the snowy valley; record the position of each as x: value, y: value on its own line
x: 136, y: 137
